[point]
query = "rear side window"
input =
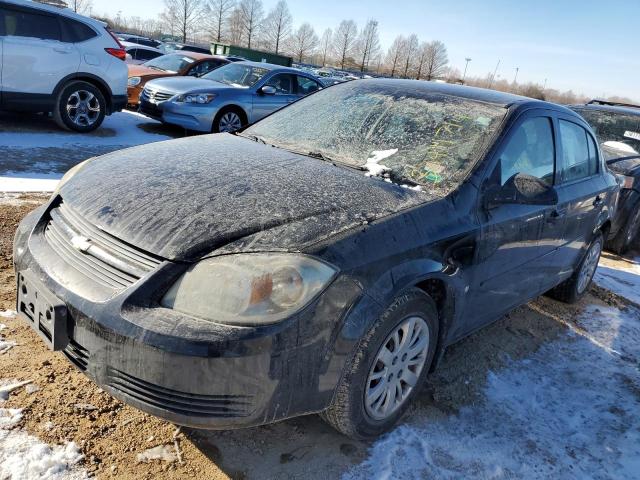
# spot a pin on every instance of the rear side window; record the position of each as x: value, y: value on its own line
x: 530, y: 150
x: 306, y: 85
x: 76, y: 32
x: 19, y: 23
x: 145, y: 55
x: 579, y: 154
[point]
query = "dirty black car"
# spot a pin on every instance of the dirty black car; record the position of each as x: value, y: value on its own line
x: 319, y: 261
x: 617, y: 126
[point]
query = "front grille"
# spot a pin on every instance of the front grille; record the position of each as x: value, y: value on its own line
x: 180, y: 403
x: 96, y: 254
x: 77, y: 354
x: 155, y: 95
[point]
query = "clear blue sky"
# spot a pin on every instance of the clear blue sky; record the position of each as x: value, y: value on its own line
x: 590, y: 46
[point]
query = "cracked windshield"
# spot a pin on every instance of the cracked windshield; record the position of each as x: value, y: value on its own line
x: 426, y: 140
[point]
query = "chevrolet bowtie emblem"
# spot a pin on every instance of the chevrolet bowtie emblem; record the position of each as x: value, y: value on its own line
x: 80, y: 243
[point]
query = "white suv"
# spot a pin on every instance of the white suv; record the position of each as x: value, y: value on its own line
x: 54, y: 60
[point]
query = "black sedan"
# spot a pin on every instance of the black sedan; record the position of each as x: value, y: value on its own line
x: 618, y: 129
x: 321, y: 260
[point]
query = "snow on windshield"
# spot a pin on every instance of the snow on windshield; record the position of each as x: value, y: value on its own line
x: 405, y: 135
x: 615, y: 130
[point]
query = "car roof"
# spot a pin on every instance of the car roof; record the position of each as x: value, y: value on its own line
x: 269, y: 66
x: 626, y: 110
x: 195, y: 55
x: 137, y: 45
x: 67, y: 12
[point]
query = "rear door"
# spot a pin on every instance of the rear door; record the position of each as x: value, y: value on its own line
x: 263, y: 105
x: 35, y: 58
x: 581, y: 197
x: 510, y: 252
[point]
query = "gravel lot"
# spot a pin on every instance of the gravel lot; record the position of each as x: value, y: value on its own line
x: 549, y: 391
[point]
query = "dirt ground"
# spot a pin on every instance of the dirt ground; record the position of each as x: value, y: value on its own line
x: 68, y: 407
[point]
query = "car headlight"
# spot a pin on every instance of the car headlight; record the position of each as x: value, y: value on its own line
x: 134, y: 81
x: 248, y: 289
x: 69, y: 175
x: 196, y: 98
x: 625, y: 181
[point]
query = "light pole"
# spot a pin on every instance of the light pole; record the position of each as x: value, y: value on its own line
x: 545, y: 85
x: 515, y: 79
x: 494, y: 74
x: 464, y: 75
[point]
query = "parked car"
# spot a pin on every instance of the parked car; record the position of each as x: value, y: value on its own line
x: 328, y: 81
x: 170, y: 65
x: 170, y: 47
x: 618, y: 128
x: 320, y: 260
x: 147, y: 42
x: 225, y: 99
x: 137, y: 54
x: 54, y: 60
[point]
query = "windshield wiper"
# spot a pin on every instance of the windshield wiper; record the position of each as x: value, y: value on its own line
x: 255, y: 138
x: 326, y: 158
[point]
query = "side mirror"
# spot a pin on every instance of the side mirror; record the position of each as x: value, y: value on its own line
x: 521, y: 189
x: 268, y: 90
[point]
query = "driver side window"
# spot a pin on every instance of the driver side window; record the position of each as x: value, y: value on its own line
x: 530, y: 150
x: 282, y: 83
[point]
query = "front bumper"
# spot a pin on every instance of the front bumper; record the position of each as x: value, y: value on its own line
x: 188, y: 371
x: 192, y: 117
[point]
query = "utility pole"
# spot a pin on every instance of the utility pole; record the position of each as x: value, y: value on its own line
x: 515, y: 79
x: 495, y: 72
x: 464, y: 75
x: 545, y: 85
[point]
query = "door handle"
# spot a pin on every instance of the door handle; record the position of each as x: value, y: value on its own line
x: 556, y: 214
x: 598, y: 201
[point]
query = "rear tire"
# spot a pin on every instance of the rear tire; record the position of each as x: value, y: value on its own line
x: 383, y: 362
x: 229, y: 120
x: 572, y: 289
x: 627, y: 235
x: 80, y: 107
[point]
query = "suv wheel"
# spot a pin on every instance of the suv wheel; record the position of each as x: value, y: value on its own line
x: 626, y: 236
x: 575, y: 287
x: 388, y: 369
x: 228, y: 120
x: 80, y: 107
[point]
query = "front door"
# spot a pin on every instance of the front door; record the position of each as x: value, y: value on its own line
x: 34, y: 57
x: 264, y: 104
x: 510, y: 250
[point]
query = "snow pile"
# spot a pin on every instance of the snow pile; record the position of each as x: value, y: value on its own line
x: 621, y: 276
x: 569, y: 411
x: 8, y: 313
x: 165, y: 453
x: 6, y: 345
x: 25, y: 457
x: 9, y: 417
x: 8, y: 386
x: 374, y: 169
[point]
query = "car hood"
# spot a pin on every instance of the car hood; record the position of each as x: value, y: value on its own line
x: 188, y: 84
x: 182, y: 199
x: 146, y: 72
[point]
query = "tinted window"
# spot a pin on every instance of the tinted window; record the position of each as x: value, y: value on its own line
x: 75, y: 32
x: 143, y: 54
x: 205, y: 67
x: 14, y: 23
x: 577, y: 162
x: 306, y: 85
x: 530, y: 150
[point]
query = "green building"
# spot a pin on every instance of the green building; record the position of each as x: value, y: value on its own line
x: 250, y: 54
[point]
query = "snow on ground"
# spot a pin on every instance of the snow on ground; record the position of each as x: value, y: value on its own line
x: 568, y: 411
x: 39, y: 167
x: 621, y: 276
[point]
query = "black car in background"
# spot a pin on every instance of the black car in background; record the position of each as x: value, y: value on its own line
x: 617, y: 126
x: 321, y: 260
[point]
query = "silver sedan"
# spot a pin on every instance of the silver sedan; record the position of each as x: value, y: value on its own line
x: 227, y: 98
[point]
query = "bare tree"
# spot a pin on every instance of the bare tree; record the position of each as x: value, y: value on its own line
x: 325, y: 45
x: 236, y: 27
x: 218, y: 15
x: 277, y: 26
x: 183, y: 14
x: 394, y: 54
x: 421, y: 59
x: 80, y: 6
x: 344, y: 40
x: 252, y: 17
x: 368, y: 43
x: 410, y: 49
x: 436, y: 60
x: 303, y: 42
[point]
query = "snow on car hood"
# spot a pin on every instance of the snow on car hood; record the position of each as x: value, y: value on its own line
x: 182, y: 199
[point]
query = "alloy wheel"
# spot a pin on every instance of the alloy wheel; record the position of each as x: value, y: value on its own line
x: 229, y: 122
x: 83, y: 108
x: 589, y: 266
x: 397, y: 367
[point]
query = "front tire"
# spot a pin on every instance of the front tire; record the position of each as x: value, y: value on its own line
x: 572, y: 289
x: 228, y: 120
x: 80, y: 107
x: 388, y: 369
